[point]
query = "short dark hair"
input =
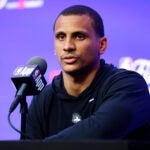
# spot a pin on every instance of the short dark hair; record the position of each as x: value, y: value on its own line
x: 85, y: 10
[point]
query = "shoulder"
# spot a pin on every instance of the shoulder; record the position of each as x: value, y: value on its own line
x: 127, y: 75
x: 123, y: 79
x: 46, y: 92
x: 44, y: 96
x: 129, y: 81
x: 114, y: 73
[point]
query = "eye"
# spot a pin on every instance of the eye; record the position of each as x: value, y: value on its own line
x: 60, y: 36
x: 79, y: 36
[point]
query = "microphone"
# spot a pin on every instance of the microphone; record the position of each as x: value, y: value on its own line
x: 29, y: 79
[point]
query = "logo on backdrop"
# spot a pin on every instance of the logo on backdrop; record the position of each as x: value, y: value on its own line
x: 142, y: 66
x: 21, y: 4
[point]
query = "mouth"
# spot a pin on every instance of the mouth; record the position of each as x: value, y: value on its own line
x: 69, y: 59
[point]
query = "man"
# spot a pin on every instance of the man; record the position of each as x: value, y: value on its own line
x: 89, y: 99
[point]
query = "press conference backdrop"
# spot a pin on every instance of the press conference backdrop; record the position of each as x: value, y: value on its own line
x: 26, y: 30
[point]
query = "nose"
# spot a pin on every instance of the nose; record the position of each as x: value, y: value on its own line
x: 69, y: 45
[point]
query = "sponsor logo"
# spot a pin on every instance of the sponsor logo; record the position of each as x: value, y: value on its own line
x: 39, y: 83
x: 91, y: 100
x: 76, y: 118
x: 142, y: 66
x: 23, y: 71
x: 36, y: 73
x: 21, y: 4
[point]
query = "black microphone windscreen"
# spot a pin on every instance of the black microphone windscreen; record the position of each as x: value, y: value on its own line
x: 37, y: 60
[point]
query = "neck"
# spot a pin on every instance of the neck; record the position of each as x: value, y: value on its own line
x: 76, y: 84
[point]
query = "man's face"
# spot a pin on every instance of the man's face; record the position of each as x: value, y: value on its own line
x: 76, y: 44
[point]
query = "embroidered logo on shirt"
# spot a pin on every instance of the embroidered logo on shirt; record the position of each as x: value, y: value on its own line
x: 91, y: 100
x: 76, y: 118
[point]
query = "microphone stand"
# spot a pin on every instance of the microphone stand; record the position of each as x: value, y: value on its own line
x: 23, y: 111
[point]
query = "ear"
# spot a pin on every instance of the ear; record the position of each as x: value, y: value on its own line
x: 103, y: 45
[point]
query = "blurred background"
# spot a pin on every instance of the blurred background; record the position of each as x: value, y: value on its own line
x: 26, y: 30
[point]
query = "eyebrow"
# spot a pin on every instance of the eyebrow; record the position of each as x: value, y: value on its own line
x: 59, y: 32
x: 73, y: 33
